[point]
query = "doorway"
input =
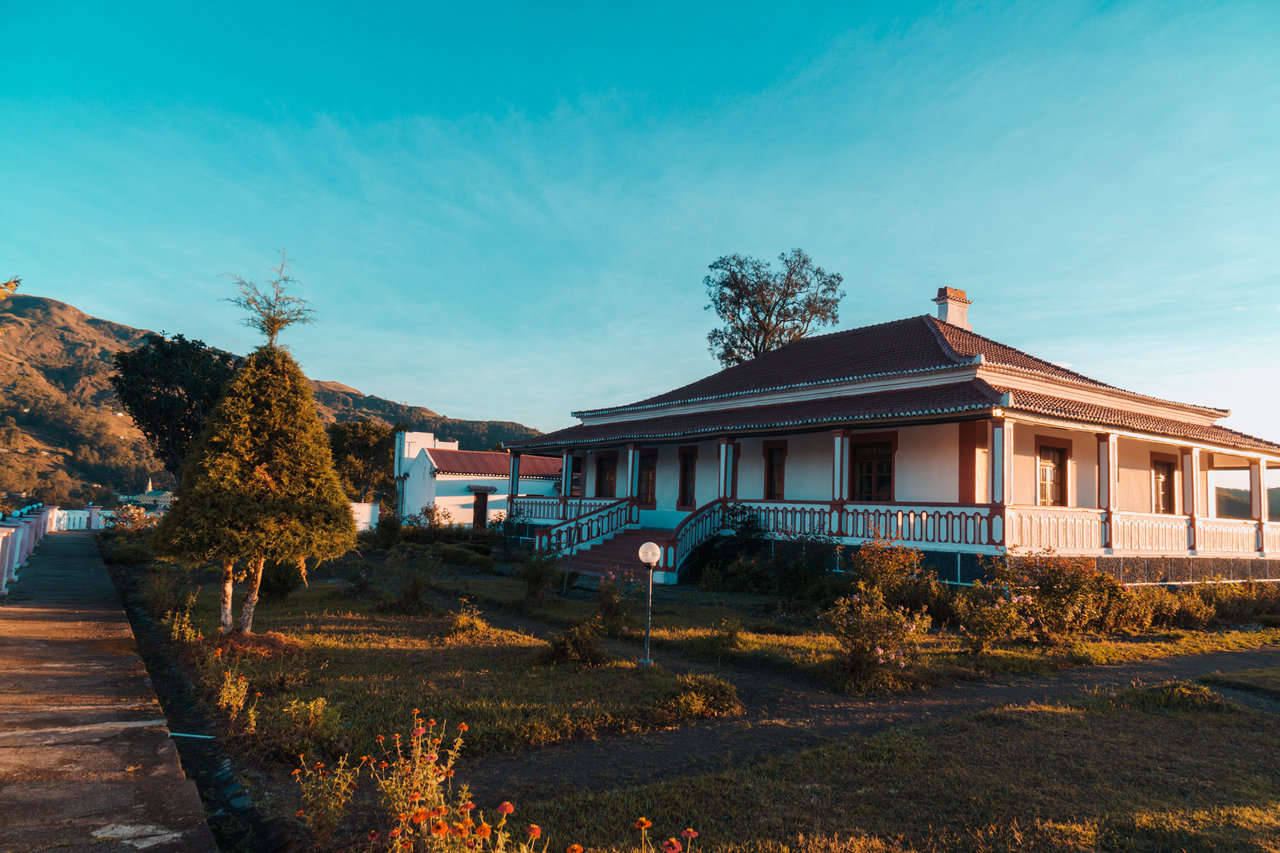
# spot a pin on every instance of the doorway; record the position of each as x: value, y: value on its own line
x: 480, y: 510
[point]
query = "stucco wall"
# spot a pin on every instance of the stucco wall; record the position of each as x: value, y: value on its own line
x: 1082, y: 472
x: 927, y: 465
x: 1134, y: 491
x: 453, y: 493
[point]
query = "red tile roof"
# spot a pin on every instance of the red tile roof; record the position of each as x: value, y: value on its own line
x: 491, y: 463
x: 905, y: 404
x: 1043, y: 404
x: 912, y: 345
x: 973, y: 397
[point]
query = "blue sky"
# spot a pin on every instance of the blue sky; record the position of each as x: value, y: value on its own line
x: 507, y: 212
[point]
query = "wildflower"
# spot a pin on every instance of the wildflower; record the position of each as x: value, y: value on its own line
x: 459, y: 829
x: 535, y: 831
x: 419, y: 732
x: 483, y: 830
x: 373, y: 835
x: 380, y: 738
x: 466, y: 807
x: 506, y: 808
x: 671, y: 846
x: 439, y: 828
x: 416, y: 712
x: 690, y: 833
x: 402, y: 817
x: 395, y: 833
x: 902, y: 664
x: 419, y: 816
x: 299, y: 813
x: 643, y: 823
x: 573, y: 848
x: 431, y: 756
x: 431, y: 724
x: 297, y: 772
x: 462, y: 727
x: 879, y: 651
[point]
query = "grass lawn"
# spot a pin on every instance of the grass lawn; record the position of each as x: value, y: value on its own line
x: 718, y: 627
x: 373, y: 668
x: 1265, y: 680
x: 1149, y: 769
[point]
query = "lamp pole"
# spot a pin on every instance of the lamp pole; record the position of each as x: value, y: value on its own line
x: 650, y: 554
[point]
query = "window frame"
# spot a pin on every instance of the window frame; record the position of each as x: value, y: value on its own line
x: 1064, y: 445
x: 689, y: 453
x: 765, y: 449
x: 1173, y: 463
x: 641, y: 456
x: 869, y: 439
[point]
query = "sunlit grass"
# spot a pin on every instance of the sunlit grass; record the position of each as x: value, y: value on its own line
x: 1262, y: 680
x: 373, y: 668
x: 1034, y: 777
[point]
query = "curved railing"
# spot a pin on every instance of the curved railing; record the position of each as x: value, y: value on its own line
x: 696, y: 528
x: 589, y: 528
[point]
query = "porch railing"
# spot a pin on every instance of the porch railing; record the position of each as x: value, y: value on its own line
x: 1226, y: 536
x: 1062, y: 529
x: 1150, y: 533
x: 588, y: 528
x: 789, y: 518
x: 1271, y: 538
x: 697, y: 527
x: 546, y: 508
x: 919, y: 525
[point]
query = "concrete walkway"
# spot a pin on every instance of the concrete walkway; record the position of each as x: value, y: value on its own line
x: 86, y: 762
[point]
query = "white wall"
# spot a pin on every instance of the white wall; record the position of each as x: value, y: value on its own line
x: 927, y: 465
x: 452, y: 493
x: 1082, y: 474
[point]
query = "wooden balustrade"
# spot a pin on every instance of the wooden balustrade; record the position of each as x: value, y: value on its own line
x: 919, y: 525
x: 589, y: 528
x: 1226, y: 536
x: 1150, y: 533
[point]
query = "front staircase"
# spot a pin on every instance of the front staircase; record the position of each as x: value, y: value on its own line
x: 620, y: 553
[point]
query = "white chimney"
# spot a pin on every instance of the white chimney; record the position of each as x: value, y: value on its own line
x: 953, y: 307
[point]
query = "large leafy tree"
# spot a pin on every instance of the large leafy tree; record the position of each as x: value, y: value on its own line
x: 364, y: 457
x: 763, y: 308
x: 259, y: 484
x: 170, y: 386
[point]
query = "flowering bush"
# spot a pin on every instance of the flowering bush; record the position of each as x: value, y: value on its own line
x: 986, y: 615
x: 133, y: 519
x: 899, y: 573
x: 1062, y: 596
x: 874, y: 635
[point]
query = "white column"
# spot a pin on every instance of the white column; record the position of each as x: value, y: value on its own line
x: 1191, y: 508
x: 1108, y: 482
x: 840, y: 486
x: 1258, y: 498
x: 513, y: 480
x: 633, y: 471
x: 1000, y: 462
x: 6, y: 538
x: 726, y: 461
x: 566, y: 474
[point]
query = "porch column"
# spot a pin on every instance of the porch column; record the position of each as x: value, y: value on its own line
x: 513, y: 481
x: 1191, y: 492
x: 1001, y: 483
x: 566, y: 482
x: 1108, y: 482
x: 633, y: 471
x: 724, y: 486
x: 1258, y: 498
x: 840, y: 487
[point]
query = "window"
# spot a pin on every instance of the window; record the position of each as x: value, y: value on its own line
x: 775, y: 469
x: 872, y: 478
x: 1162, y: 480
x: 575, y: 478
x: 1052, y: 470
x: 647, y: 478
x: 687, y: 496
x: 607, y: 476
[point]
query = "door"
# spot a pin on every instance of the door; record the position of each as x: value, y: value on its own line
x: 480, y: 510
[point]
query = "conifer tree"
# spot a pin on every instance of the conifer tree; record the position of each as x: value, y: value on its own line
x: 260, y: 484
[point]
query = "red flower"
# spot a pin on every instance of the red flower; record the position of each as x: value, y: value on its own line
x: 483, y: 830
x: 506, y: 808
x: 671, y: 846
x: 535, y: 831
x: 573, y: 848
x: 690, y: 833
x: 462, y: 727
x: 643, y: 823
x: 439, y: 828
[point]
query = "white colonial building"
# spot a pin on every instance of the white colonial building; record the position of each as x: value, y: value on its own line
x: 469, y: 485
x: 923, y: 431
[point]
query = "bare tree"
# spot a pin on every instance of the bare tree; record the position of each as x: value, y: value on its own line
x: 272, y: 311
x: 763, y: 308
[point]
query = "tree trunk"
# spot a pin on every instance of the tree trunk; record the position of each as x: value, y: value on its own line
x: 228, y: 578
x: 251, y: 596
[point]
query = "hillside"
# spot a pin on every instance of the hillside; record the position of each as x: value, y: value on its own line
x: 62, y: 433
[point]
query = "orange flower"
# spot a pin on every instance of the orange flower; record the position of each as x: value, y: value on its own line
x: 462, y: 727
x: 439, y: 828
x: 506, y: 808
x: 573, y: 848
x: 643, y: 823
x: 419, y: 816
x: 395, y: 833
x: 296, y: 772
x: 402, y: 817
x: 299, y: 813
x: 483, y: 830
x: 535, y: 831
x: 431, y: 724
x: 459, y: 829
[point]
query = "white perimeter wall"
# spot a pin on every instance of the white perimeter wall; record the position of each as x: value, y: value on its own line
x: 452, y: 493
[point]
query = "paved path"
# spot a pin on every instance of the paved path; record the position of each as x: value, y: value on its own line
x: 86, y: 762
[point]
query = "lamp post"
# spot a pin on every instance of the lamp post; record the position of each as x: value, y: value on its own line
x: 650, y: 554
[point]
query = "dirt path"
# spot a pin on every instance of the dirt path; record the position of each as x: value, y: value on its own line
x: 786, y: 713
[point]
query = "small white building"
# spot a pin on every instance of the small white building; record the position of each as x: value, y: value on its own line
x: 470, y: 485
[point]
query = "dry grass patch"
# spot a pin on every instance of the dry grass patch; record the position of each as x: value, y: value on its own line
x: 1265, y: 680
x: 371, y: 669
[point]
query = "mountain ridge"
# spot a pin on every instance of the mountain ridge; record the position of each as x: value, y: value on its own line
x: 63, y: 434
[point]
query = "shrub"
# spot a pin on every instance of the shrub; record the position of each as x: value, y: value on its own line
x: 611, y: 608
x: 280, y: 579
x: 129, y: 554
x: 751, y: 575
x: 539, y: 572
x: 164, y: 588
x: 1159, y: 602
x: 325, y: 794
x: 308, y: 727
x: 874, y: 635
x: 1193, y: 611
x: 579, y: 644
x: 467, y: 619
x: 182, y: 630
x: 987, y: 615
x: 1061, y: 596
x: 232, y: 692
x: 704, y: 696
x: 899, y: 573
x: 411, y: 592
x: 387, y: 533
x: 460, y: 555
x: 133, y: 519
x: 1239, y: 603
